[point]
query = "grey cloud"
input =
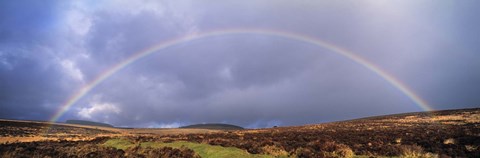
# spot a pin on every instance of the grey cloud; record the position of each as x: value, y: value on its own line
x: 249, y: 80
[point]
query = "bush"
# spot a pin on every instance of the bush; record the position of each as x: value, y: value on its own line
x: 414, y: 151
x: 343, y: 151
x: 303, y: 152
x: 274, y: 150
x: 324, y: 149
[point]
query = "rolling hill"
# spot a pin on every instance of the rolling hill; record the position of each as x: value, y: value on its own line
x: 446, y: 133
x: 88, y: 123
x: 218, y: 126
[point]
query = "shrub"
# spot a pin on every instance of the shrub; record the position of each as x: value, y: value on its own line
x: 343, y: 151
x: 449, y: 141
x: 332, y: 149
x: 414, y: 151
x: 274, y: 150
x: 303, y: 152
x: 410, y: 150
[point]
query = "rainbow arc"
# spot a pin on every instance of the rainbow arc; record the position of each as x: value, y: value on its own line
x: 228, y: 32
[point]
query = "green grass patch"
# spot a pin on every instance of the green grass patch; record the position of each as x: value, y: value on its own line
x: 119, y: 143
x: 204, y: 150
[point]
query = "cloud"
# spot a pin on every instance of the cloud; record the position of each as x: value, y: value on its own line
x: 166, y: 125
x: 99, y: 110
x: 48, y: 51
x: 71, y: 70
x: 78, y: 22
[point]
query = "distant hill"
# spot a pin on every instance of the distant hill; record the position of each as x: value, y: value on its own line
x: 445, y: 133
x: 88, y: 123
x: 214, y: 126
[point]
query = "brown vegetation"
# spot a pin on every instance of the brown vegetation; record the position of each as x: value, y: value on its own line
x: 394, y: 135
x: 30, y: 129
x: 87, y: 149
x: 444, y: 133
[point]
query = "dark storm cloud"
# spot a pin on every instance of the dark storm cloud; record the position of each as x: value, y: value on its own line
x: 269, y: 81
x: 30, y: 84
x: 249, y: 80
x: 24, y: 24
x: 451, y: 78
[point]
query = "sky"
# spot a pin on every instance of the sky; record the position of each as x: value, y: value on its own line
x: 50, y: 50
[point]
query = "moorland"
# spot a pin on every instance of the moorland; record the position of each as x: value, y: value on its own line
x: 447, y: 133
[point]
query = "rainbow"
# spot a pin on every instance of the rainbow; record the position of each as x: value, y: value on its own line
x: 266, y: 32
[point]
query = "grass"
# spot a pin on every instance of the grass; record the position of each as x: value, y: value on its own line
x: 119, y: 143
x: 204, y: 150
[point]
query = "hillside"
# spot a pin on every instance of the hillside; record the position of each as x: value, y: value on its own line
x: 218, y: 126
x: 88, y: 123
x: 447, y: 133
